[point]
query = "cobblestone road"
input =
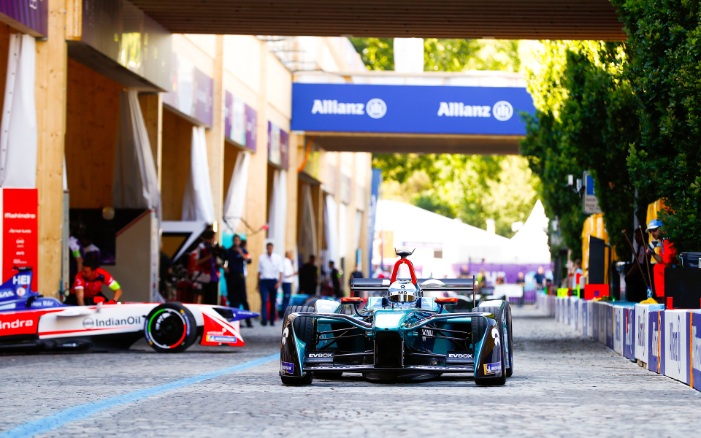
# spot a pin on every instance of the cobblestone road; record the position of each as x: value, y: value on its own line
x: 563, y: 385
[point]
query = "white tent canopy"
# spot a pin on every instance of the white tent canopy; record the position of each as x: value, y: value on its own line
x: 455, y: 242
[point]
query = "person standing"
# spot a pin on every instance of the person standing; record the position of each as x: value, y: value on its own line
x: 235, y: 273
x: 335, y: 280
x: 539, y: 278
x: 206, y: 270
x: 309, y: 276
x: 289, y: 277
x: 270, y: 270
x: 664, y: 253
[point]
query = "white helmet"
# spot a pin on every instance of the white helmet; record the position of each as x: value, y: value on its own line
x: 403, y: 291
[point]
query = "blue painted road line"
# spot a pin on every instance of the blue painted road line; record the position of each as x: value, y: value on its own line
x: 76, y: 413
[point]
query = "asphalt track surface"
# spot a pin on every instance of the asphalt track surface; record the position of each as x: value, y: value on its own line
x: 564, y: 385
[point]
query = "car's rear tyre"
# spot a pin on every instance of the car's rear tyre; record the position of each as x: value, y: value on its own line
x: 498, y: 316
x: 304, y: 329
x: 510, y: 342
x: 170, y: 328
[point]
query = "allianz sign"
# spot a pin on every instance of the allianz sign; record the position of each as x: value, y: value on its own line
x: 501, y: 110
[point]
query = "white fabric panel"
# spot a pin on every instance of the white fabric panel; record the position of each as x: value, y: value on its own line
x: 277, y: 218
x: 307, y: 238
x: 331, y: 229
x: 236, y: 195
x: 358, y: 228
x: 18, y: 136
x: 197, y: 203
x: 135, y: 182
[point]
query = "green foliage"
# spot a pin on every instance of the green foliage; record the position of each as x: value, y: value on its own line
x: 664, y: 40
x: 376, y: 53
x: 585, y: 121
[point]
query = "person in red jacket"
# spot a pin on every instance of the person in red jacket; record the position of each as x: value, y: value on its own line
x: 87, y: 287
x: 665, y: 256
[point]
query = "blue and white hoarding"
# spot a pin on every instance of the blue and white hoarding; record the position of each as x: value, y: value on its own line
x: 410, y: 109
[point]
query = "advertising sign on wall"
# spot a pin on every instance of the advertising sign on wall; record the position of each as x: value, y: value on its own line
x: 20, y: 244
x: 410, y: 109
x: 676, y: 345
x: 278, y: 146
x: 191, y: 90
x: 618, y: 329
x: 28, y: 16
x: 240, y: 121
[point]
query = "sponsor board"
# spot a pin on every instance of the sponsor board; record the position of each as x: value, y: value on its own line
x: 629, y: 338
x: 287, y: 367
x: 594, y: 320
x: 641, y: 338
x: 676, y: 345
x: 609, y: 325
x: 655, y: 341
x: 576, y: 304
x: 492, y: 368
x: 695, y: 350
x: 91, y: 323
x: 618, y: 329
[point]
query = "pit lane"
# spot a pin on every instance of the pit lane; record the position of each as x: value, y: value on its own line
x: 563, y: 384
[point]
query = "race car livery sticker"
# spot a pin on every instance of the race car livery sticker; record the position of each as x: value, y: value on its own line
x: 458, y: 358
x: 492, y: 368
x: 222, y: 338
x: 287, y: 367
x: 319, y: 357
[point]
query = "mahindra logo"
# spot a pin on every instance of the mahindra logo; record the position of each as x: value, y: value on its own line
x: 320, y: 355
x: 17, y: 323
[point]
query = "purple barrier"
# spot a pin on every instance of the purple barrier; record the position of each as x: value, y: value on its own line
x: 609, y: 325
x: 655, y: 341
x: 585, y: 317
x: 594, y: 307
x: 629, y: 338
x: 695, y: 350
x: 676, y: 345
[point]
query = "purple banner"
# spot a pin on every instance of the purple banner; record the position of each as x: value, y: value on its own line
x: 278, y: 146
x: 251, y: 120
x: 655, y: 341
x: 595, y: 320
x: 629, y: 333
x: 192, y: 90
x: 29, y: 16
x: 495, y: 270
x: 695, y: 359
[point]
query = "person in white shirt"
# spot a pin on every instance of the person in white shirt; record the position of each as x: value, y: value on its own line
x: 270, y: 270
x: 288, y: 278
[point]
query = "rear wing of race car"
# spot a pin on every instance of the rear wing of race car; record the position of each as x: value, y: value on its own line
x: 464, y: 285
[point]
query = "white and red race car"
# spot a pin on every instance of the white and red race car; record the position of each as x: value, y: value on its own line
x: 30, y: 321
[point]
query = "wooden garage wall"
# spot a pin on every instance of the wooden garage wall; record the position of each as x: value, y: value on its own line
x: 91, y: 133
x: 177, y: 137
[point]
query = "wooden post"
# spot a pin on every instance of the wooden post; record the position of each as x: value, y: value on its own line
x: 50, y: 89
x: 215, y: 135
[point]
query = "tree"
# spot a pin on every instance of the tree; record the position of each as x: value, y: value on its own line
x: 664, y: 40
x: 585, y: 120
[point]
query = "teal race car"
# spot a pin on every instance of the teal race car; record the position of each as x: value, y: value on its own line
x: 414, y: 330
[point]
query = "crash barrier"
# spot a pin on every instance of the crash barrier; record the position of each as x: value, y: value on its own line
x: 667, y: 342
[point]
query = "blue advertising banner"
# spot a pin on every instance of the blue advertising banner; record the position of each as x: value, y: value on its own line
x: 410, y: 109
x: 374, y: 196
x: 629, y: 333
x: 609, y: 326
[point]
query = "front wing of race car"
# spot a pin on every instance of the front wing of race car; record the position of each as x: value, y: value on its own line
x: 394, y: 345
